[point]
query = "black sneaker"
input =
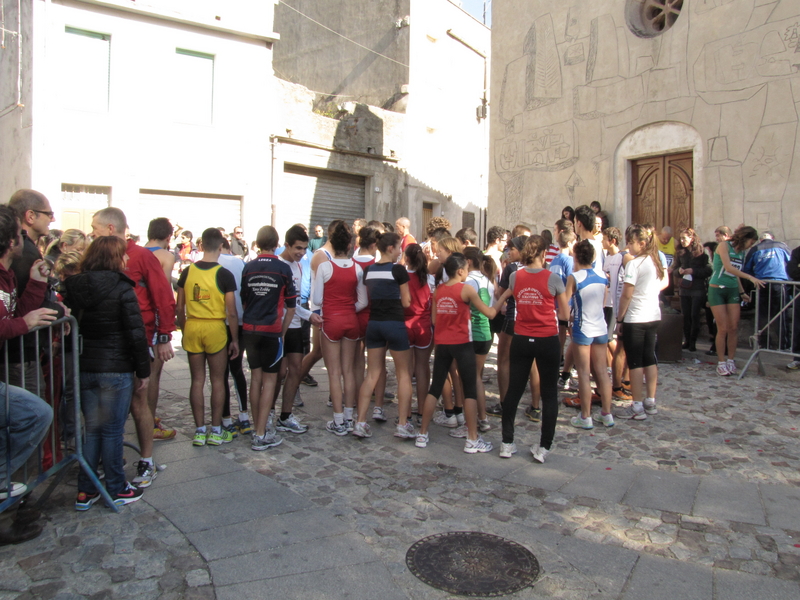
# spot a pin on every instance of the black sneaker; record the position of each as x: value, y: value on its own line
x: 496, y: 410
x: 128, y: 495
x: 309, y: 381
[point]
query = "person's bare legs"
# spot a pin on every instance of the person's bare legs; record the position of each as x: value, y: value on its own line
x: 197, y: 369
x: 376, y: 359
x: 312, y: 358
x: 216, y: 373
x: 599, y: 357
x: 471, y: 418
x: 734, y: 312
x: 332, y: 355
x: 422, y: 369
x: 402, y: 360
x: 582, y: 355
x: 536, y: 394
x: 651, y: 373
x: 256, y: 377
x: 263, y: 398
x: 348, y: 349
x: 156, y: 367
x: 360, y: 361
x: 294, y: 363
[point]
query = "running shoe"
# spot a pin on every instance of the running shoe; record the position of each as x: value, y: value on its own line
x: 722, y: 369
x: 85, y: 501
x: 495, y: 410
x: 479, y: 445
x: 128, y: 495
x: 563, y: 383
x: 200, y: 438
x: 362, y: 431
x: 460, y: 419
x: 484, y: 425
x: 621, y: 393
x: 539, y: 453
x: 244, y: 427
x: 217, y: 439
x: 309, y: 381
x: 335, y: 429
x: 329, y: 403
x: 17, y: 489
x: 506, y: 450
x: 731, y: 366
x: 628, y: 412
x: 378, y: 414
x: 292, y: 425
x: 533, y: 414
x: 145, y: 474
x: 162, y: 433
x: 607, y: 419
x: 441, y: 419
x: 349, y: 424
x: 650, y: 406
x: 581, y: 423
x: 268, y: 440
x: 794, y: 365
x: 406, y: 431
x: 422, y: 440
x: 459, y: 432
x: 232, y: 429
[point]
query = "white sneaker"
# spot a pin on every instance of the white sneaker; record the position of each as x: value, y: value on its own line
x: 459, y: 432
x: 405, y: 432
x: 731, y: 366
x: 540, y: 453
x: 607, y: 420
x: 362, y: 431
x: 794, y: 365
x: 581, y: 423
x: 629, y: 412
x: 483, y: 425
x: 422, y: 440
x: 441, y: 419
x: 506, y: 450
x: 479, y: 445
x: 650, y: 406
x: 722, y: 369
x: 460, y: 419
x: 378, y: 414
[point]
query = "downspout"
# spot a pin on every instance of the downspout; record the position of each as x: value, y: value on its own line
x: 273, y: 141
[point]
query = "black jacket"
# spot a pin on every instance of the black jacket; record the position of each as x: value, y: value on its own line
x: 110, y: 322
x: 793, y: 267
x: 701, y: 270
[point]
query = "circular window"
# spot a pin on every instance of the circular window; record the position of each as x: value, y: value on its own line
x: 649, y: 18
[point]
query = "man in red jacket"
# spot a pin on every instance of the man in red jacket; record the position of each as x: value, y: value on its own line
x: 158, y: 313
x: 30, y: 416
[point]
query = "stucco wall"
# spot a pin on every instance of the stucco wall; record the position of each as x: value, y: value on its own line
x: 138, y: 143
x: 572, y: 83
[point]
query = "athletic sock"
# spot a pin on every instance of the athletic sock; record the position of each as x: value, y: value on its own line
x: 338, y: 418
x: 449, y: 412
x: 226, y: 421
x: 638, y: 407
x: 285, y: 416
x: 149, y: 461
x: 348, y: 414
x: 564, y: 374
x: 200, y: 429
x: 216, y: 429
x: 243, y: 416
x: 457, y: 410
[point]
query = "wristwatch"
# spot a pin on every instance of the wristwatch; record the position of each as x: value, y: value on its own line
x: 164, y: 338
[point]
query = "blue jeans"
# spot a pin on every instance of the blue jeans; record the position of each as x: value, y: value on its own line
x: 24, y: 427
x: 105, y: 402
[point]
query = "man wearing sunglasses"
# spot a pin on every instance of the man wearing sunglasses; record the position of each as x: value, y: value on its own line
x: 238, y: 245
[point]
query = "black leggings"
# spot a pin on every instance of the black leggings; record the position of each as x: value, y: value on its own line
x: 235, y: 368
x: 524, y: 350
x: 464, y: 355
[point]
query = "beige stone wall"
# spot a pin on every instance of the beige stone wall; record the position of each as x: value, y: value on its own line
x: 576, y: 95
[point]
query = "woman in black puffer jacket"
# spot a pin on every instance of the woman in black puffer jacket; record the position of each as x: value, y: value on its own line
x: 114, y: 348
x: 691, y: 273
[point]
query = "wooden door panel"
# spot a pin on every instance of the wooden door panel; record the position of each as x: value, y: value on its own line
x: 680, y: 192
x: 663, y: 191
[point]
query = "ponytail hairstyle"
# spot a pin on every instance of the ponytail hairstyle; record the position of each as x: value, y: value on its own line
x: 455, y: 262
x: 739, y: 239
x: 340, y: 237
x: 367, y: 236
x: 639, y: 233
x: 387, y: 239
x: 478, y: 261
x: 417, y: 262
x: 535, y: 246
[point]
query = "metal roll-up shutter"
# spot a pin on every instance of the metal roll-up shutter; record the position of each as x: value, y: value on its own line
x: 192, y: 211
x: 314, y: 196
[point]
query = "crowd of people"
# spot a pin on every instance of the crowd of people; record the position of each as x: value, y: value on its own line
x: 578, y: 306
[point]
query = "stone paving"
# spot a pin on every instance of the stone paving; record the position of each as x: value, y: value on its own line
x: 704, y: 495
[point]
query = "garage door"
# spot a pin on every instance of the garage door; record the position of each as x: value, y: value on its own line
x: 314, y: 196
x: 192, y: 211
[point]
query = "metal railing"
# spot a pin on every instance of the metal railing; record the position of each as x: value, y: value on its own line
x: 56, y: 452
x: 777, y: 322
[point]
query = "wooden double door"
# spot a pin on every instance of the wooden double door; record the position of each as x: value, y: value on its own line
x: 663, y: 191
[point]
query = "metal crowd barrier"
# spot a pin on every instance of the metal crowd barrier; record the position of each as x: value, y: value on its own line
x: 777, y: 322
x: 54, y: 454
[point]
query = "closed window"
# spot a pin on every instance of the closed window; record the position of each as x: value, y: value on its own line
x: 194, y: 87
x: 86, y: 70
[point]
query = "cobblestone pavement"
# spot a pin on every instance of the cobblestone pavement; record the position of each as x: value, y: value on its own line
x: 723, y: 436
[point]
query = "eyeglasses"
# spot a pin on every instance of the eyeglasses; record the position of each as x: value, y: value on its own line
x: 237, y: 233
x: 49, y: 213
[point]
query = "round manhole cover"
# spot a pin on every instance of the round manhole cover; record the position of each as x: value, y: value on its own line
x: 472, y: 564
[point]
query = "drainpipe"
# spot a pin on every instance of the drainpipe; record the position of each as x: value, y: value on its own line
x: 273, y: 141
